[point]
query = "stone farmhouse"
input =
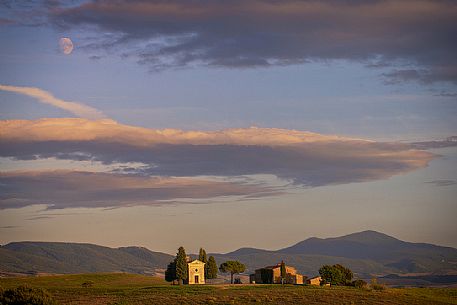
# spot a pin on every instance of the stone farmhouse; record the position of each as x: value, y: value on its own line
x: 272, y: 275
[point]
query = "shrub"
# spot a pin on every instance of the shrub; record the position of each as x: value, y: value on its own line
x: 26, y: 295
x: 376, y: 286
x: 359, y: 284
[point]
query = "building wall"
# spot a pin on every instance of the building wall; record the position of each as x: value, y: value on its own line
x: 252, y: 279
x: 290, y: 272
x: 297, y: 279
x: 314, y: 281
x: 277, y: 275
x: 196, y: 268
x: 258, y: 276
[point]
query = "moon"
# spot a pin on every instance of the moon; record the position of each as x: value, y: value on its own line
x: 66, y: 45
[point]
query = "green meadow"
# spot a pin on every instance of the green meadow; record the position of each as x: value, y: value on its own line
x: 120, y: 288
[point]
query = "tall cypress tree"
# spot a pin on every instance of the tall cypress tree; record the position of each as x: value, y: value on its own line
x: 212, y: 268
x: 283, y: 272
x: 181, y: 266
x: 202, y: 257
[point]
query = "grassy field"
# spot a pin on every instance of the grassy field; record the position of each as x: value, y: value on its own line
x: 118, y: 288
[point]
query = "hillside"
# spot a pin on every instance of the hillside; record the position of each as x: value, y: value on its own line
x: 56, y: 257
x: 366, y: 253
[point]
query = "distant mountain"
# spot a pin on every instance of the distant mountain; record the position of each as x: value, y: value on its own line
x: 384, y: 249
x: 366, y: 244
x: 366, y: 253
x: 56, y: 257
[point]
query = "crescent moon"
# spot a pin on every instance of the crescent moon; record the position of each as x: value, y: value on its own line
x: 66, y: 45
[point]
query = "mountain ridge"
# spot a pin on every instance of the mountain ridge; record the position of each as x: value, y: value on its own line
x: 366, y: 253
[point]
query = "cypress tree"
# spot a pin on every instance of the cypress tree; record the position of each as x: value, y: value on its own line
x: 283, y: 272
x: 170, y: 273
x: 181, y: 266
x: 212, y: 268
x: 203, y: 258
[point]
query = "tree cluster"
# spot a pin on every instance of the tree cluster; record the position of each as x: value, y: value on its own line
x: 336, y: 275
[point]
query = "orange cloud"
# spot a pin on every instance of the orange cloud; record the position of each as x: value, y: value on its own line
x: 45, y: 97
x: 301, y: 157
x: 74, y: 129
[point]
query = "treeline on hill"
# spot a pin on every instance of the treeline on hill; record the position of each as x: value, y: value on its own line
x: 177, y: 270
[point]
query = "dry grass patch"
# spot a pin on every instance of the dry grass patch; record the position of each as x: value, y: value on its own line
x: 128, y: 289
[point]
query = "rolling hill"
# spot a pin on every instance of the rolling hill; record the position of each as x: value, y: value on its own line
x: 56, y: 257
x: 366, y: 253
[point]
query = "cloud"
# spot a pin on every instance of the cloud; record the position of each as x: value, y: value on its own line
x: 39, y: 217
x: 74, y: 129
x: 45, y: 97
x: 446, y: 94
x: 442, y: 182
x: 4, y: 21
x: 448, y: 142
x: 28, y: 12
x: 303, y: 158
x: 424, y: 76
x: 72, y: 189
x: 418, y: 34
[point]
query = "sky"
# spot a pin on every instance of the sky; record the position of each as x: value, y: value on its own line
x: 211, y: 123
